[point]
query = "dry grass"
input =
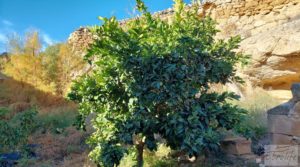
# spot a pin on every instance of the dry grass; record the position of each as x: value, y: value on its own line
x: 18, y: 107
x: 59, y: 143
x: 255, y: 100
x: 12, y: 91
x: 258, y: 103
x: 78, y: 160
x: 58, y: 148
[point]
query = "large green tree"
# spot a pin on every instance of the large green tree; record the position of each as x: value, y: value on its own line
x: 152, y: 78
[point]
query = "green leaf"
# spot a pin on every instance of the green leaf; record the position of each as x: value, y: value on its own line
x: 151, y: 77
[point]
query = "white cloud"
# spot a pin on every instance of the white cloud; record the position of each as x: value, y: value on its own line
x: 3, y: 38
x: 47, y: 39
x: 6, y: 32
x: 7, y: 23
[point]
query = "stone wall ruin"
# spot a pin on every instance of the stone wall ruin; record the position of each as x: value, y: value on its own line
x: 270, y: 30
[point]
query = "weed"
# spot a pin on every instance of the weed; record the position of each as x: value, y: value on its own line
x: 56, y: 120
x: 160, y: 158
x: 4, y: 112
x: 257, y: 104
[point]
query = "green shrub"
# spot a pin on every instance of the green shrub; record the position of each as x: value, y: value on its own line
x: 56, y: 120
x: 14, y: 132
x: 152, y: 78
x: 3, y: 112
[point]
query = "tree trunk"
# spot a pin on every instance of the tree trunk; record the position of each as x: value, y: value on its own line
x: 140, y: 151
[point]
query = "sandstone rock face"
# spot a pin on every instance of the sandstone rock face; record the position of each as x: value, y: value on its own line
x: 275, y: 50
x: 284, y: 120
x: 271, y: 33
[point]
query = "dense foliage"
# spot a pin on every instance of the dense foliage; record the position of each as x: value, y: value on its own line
x: 152, y: 78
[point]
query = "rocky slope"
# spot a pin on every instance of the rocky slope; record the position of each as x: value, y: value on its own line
x: 271, y: 33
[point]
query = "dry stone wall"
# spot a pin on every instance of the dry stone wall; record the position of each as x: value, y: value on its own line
x: 228, y: 8
x: 80, y: 40
x: 270, y: 30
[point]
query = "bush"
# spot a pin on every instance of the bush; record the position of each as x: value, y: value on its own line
x: 3, y: 112
x: 56, y: 120
x: 152, y: 78
x: 15, y: 131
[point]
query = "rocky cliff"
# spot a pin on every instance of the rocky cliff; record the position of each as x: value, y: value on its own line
x: 272, y: 37
x: 270, y: 30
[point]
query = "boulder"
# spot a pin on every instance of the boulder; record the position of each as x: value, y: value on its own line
x: 236, y: 146
x: 284, y: 120
x: 282, y: 109
x: 283, y: 124
x: 295, y: 112
x: 296, y: 91
x: 281, y: 139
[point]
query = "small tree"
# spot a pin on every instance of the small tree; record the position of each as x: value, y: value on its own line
x: 152, y: 78
x: 25, y: 63
x: 60, y: 62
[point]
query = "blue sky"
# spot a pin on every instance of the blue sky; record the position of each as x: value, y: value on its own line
x: 56, y: 19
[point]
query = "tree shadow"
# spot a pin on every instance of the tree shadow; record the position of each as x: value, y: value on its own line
x: 13, y: 91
